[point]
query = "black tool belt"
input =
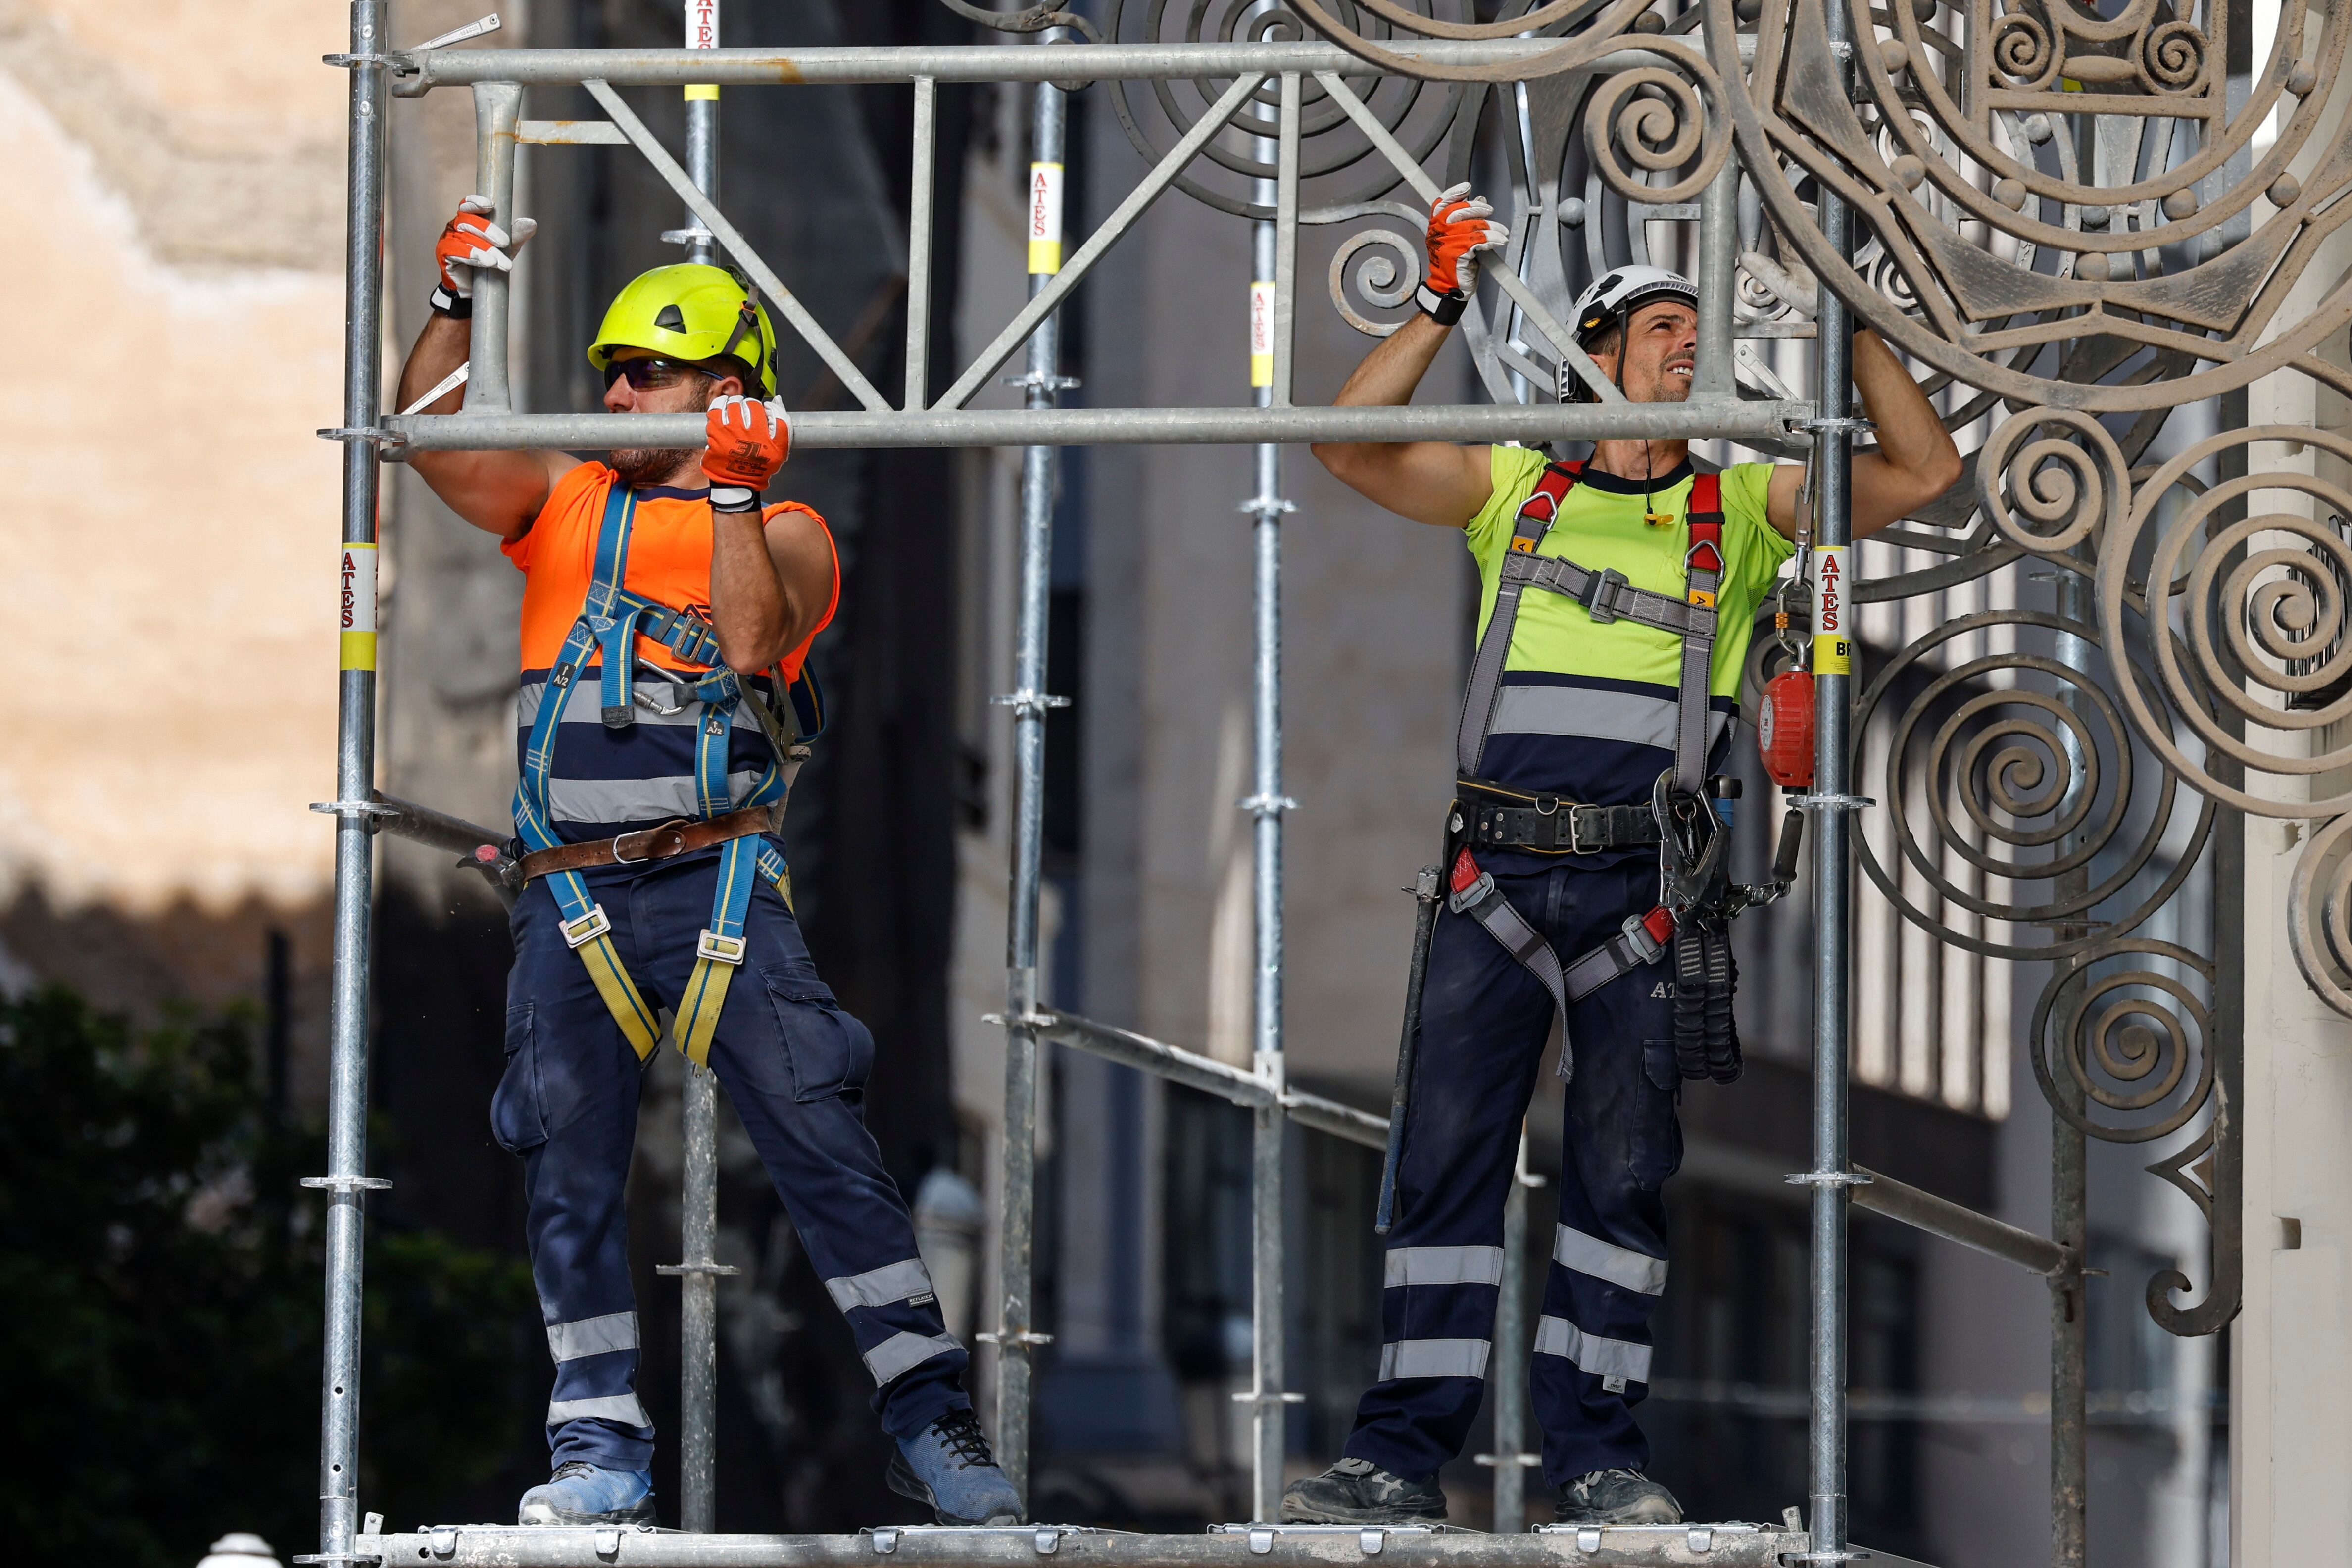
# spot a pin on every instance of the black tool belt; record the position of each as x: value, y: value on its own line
x: 1495, y: 818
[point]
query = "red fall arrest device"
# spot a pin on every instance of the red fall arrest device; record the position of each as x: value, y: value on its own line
x: 1784, y: 729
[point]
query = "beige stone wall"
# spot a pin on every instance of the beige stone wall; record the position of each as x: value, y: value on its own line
x: 173, y: 172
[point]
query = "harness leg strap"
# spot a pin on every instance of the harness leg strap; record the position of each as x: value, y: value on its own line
x: 1641, y: 939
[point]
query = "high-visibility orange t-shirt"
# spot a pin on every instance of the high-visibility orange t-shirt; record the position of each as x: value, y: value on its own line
x: 602, y: 780
x: 669, y: 561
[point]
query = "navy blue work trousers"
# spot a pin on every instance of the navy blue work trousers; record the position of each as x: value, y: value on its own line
x: 794, y: 1066
x: 1483, y: 1024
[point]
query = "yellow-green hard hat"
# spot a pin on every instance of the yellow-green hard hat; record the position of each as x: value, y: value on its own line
x: 692, y: 312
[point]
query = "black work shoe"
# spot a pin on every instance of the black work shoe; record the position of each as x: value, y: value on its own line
x: 1617, y: 1497
x: 1357, y: 1491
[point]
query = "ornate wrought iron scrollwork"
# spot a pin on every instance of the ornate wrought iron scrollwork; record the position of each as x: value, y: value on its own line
x: 1982, y: 123
x: 2140, y: 1060
x: 1341, y: 172
x: 2264, y: 620
x: 2009, y: 772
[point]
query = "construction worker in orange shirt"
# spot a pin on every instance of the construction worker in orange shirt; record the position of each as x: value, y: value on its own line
x: 667, y: 620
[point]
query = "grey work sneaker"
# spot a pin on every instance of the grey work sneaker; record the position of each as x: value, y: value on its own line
x: 949, y: 1465
x: 582, y: 1493
x: 1617, y: 1497
x: 1357, y: 1491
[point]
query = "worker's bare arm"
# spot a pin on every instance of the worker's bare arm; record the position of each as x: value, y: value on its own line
x: 769, y: 585
x: 499, y: 492
x: 1435, y: 482
x: 1915, y: 462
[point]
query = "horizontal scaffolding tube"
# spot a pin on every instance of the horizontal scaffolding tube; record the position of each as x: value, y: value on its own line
x: 1212, y: 1077
x: 1957, y: 1222
x: 943, y: 62
x: 840, y: 430
x: 549, y: 1546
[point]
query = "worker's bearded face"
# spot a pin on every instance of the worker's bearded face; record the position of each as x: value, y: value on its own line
x: 1660, y: 351
x: 637, y: 466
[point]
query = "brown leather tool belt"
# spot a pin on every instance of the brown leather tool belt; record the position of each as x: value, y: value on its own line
x: 671, y: 840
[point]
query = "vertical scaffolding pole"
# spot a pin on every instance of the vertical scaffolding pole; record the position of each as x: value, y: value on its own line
x: 1833, y: 1022
x: 1273, y: 266
x: 498, y: 106
x: 1508, y: 1371
x: 2069, y: 1166
x: 346, y: 1180
x: 1017, y: 1339
x: 698, y: 1269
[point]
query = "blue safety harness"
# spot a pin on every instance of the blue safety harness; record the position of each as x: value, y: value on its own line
x: 611, y: 619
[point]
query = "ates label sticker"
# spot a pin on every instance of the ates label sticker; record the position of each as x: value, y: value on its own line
x: 355, y: 617
x: 1261, y: 329
x: 1833, y: 644
x: 1045, y: 218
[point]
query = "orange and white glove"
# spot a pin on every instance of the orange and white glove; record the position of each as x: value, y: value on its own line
x: 745, y: 442
x: 470, y: 243
x: 1458, y: 229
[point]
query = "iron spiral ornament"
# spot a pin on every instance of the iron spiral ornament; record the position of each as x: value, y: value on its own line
x: 2131, y: 1035
x: 2007, y: 779
x: 2263, y: 670
x: 1341, y: 172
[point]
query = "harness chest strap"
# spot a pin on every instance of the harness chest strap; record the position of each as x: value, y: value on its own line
x: 1641, y: 939
x: 1606, y: 596
x: 610, y: 620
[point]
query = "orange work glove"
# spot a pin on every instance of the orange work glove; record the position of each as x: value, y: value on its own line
x: 746, y: 441
x: 470, y: 242
x: 1457, y: 228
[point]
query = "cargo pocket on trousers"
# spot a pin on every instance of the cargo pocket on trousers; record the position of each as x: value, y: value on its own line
x: 519, y: 1109
x: 1657, y: 1141
x: 830, y: 1052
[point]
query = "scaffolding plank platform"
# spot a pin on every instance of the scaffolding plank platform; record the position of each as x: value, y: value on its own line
x: 1227, y: 1546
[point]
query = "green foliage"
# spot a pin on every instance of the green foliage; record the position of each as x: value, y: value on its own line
x: 163, y: 1280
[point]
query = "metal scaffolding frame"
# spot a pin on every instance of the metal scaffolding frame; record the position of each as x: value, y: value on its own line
x: 1717, y: 409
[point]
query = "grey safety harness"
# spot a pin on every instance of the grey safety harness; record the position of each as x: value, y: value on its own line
x: 1692, y: 917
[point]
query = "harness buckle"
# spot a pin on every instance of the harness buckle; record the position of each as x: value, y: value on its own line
x: 720, y: 949
x: 587, y: 928
x: 1601, y: 592
x: 1645, y: 943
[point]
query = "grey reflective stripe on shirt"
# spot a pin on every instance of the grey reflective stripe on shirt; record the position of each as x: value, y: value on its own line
x: 1606, y: 1260
x: 902, y: 1352
x: 620, y: 1408
x: 1595, y: 715
x: 881, y: 1287
x: 637, y: 800
x: 1601, y: 1357
x: 1443, y: 1265
x: 583, y: 709
x: 1433, y: 1358
x: 593, y: 1336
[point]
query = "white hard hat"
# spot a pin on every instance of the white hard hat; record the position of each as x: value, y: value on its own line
x: 1617, y: 293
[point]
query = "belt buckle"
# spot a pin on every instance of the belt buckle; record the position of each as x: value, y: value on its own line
x: 1576, y: 840
x: 652, y: 852
x: 1601, y: 600
x: 720, y: 949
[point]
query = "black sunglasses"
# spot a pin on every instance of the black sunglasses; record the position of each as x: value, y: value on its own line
x: 653, y: 374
